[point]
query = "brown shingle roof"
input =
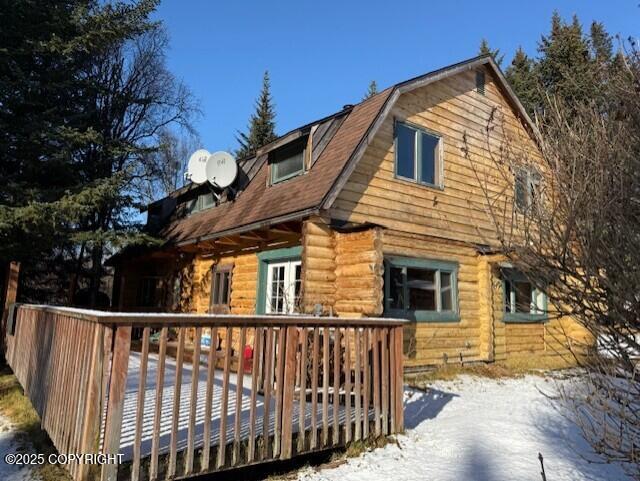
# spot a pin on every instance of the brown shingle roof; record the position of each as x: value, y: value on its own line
x: 260, y: 202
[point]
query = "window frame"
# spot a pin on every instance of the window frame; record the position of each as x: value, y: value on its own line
x: 266, y: 257
x: 438, y: 161
x: 512, y: 276
x: 278, y: 155
x: 220, y: 308
x: 439, y: 266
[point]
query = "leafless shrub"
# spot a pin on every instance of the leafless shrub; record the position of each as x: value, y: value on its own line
x: 574, y: 230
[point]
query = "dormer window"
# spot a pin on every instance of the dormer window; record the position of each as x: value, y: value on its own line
x: 287, y: 162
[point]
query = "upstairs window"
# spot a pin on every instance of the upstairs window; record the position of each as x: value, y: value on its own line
x: 421, y: 290
x: 220, y: 289
x: 287, y: 162
x: 480, y: 82
x: 418, y: 155
x: 527, y: 187
x: 522, y: 300
x: 202, y: 202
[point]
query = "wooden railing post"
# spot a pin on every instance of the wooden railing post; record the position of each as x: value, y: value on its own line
x: 117, y: 385
x: 289, y: 384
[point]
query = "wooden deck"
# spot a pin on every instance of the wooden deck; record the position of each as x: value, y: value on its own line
x: 173, y: 409
x: 127, y: 434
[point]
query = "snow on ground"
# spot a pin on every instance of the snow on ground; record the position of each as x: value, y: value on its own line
x: 478, y: 429
x: 9, y: 445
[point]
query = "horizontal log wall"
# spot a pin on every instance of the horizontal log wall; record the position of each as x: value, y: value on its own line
x: 453, y: 109
x: 318, y: 266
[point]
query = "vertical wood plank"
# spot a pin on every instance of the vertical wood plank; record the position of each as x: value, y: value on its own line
x: 357, y: 352
x: 325, y: 386
x: 90, y: 439
x: 257, y: 354
x: 392, y: 380
x: 337, y: 368
x: 280, y: 361
x: 117, y: 387
x: 366, y: 382
x: 384, y: 346
x: 222, y: 445
x: 239, y: 388
x: 208, y: 402
x: 400, y: 377
x: 302, y: 426
x: 289, y: 385
x: 377, y: 382
x: 155, y: 441
x: 268, y: 386
x: 142, y: 386
x: 193, y: 401
x: 314, y: 387
x: 347, y: 386
x: 175, y: 417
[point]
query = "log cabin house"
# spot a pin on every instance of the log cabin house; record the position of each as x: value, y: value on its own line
x: 372, y: 211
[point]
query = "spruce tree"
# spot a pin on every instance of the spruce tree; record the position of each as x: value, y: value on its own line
x: 261, y: 125
x: 486, y: 50
x: 521, y: 75
x: 565, y: 66
x: 371, y: 90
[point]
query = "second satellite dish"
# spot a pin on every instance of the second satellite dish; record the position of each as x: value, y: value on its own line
x: 221, y: 169
x: 197, y: 166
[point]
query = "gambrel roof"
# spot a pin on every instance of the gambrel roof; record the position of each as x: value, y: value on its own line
x: 339, y: 141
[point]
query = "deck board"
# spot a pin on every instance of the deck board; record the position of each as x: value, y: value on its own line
x: 129, y: 413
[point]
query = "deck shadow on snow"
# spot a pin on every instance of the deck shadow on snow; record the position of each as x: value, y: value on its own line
x: 424, y: 405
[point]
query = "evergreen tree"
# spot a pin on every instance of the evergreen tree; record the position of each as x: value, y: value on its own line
x: 83, y: 95
x: 486, y: 50
x: 565, y: 67
x: 261, y: 125
x: 521, y: 76
x: 371, y: 90
x: 601, y: 44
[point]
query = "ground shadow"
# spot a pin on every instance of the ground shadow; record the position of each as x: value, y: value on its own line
x: 423, y: 405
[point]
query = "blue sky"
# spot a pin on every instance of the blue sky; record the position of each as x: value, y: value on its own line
x: 323, y: 54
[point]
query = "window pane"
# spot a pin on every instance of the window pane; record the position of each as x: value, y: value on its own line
x: 288, y: 166
x: 216, y: 288
x: 446, y: 293
x: 521, y: 189
x: 539, y: 301
x: 206, y: 200
x: 298, y: 284
x: 507, y: 296
x: 523, y: 296
x: 396, y: 288
x: 405, y: 157
x: 422, y: 294
x: 429, y: 155
x: 224, y: 288
x: 446, y: 303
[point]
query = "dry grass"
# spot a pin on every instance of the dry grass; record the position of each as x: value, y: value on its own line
x: 18, y: 410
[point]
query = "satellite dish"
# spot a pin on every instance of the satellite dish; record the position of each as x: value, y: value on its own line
x: 196, y: 168
x: 221, y: 169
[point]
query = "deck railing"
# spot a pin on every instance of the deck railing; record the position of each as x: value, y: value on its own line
x: 173, y: 405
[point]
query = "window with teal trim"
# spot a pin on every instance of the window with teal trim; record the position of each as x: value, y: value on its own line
x: 421, y: 290
x: 522, y: 300
x: 418, y: 154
